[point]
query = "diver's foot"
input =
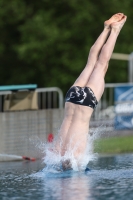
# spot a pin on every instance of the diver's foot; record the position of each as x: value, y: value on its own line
x: 115, y: 18
x: 117, y: 26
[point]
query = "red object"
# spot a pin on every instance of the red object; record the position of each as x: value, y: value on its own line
x: 28, y: 158
x: 33, y: 159
x: 50, y: 137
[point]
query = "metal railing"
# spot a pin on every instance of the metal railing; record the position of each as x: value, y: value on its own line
x: 105, y: 108
x: 47, y: 98
x: 50, y: 98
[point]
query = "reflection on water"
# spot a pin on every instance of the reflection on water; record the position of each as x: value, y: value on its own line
x: 111, y: 177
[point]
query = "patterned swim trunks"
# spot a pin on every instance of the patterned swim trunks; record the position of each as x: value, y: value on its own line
x: 82, y: 96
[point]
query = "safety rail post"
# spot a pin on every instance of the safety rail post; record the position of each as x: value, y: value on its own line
x: 130, y: 68
x: 2, y: 93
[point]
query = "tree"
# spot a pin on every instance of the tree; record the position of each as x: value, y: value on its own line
x: 47, y: 42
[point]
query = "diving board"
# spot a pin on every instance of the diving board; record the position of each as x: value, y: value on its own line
x: 18, y: 87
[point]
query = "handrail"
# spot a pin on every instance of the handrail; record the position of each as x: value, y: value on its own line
x: 110, y: 85
x: 53, y: 89
x: 5, y: 92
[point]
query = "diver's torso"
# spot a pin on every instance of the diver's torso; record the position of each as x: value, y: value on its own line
x: 78, y: 112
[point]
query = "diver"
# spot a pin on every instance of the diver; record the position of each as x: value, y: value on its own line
x: 84, y: 95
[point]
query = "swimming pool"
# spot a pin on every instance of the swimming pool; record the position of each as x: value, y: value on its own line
x: 111, y: 177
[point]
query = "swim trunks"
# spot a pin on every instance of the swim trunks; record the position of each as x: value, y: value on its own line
x: 81, y: 95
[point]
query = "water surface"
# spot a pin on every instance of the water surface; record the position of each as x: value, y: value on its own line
x: 111, y: 177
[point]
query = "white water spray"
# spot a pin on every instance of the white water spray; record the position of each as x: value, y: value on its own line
x: 53, y: 160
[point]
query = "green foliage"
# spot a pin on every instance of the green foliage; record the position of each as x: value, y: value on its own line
x: 113, y: 145
x: 47, y: 42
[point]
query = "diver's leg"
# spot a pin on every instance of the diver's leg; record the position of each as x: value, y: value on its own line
x: 96, y: 81
x: 95, y: 51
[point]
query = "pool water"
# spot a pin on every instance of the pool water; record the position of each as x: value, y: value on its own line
x: 110, y: 177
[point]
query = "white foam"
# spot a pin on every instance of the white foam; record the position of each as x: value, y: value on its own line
x: 53, y: 159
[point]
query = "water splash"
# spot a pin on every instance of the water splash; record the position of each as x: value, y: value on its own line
x: 53, y: 160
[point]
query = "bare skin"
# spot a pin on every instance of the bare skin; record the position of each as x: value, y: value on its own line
x: 75, y: 127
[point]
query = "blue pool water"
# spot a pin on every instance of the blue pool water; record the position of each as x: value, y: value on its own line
x: 111, y: 177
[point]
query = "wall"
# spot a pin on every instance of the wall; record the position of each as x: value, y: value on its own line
x: 24, y: 133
